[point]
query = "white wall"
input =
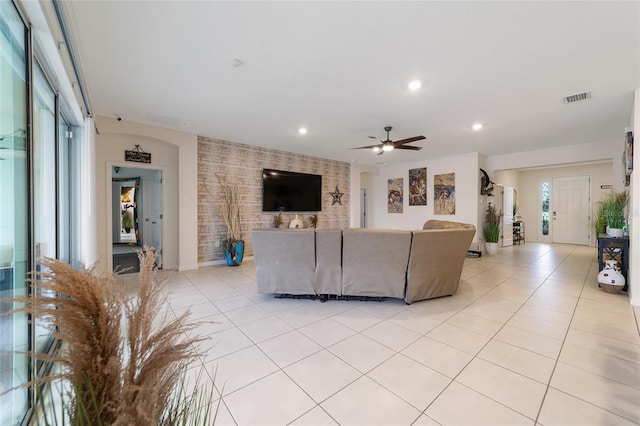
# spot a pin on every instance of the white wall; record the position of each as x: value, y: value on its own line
x: 175, y: 153
x: 467, y: 189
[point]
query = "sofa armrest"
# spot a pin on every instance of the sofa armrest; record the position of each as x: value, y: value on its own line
x: 436, y: 261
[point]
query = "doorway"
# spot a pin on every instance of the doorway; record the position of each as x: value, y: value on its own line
x: 363, y: 207
x: 136, y: 215
x: 570, y: 210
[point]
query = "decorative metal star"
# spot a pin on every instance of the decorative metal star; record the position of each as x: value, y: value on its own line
x: 337, y: 196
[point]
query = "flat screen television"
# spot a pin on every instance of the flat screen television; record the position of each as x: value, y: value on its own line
x: 291, y: 191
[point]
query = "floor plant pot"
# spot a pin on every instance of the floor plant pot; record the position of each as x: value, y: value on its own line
x: 234, y: 252
x: 492, y: 248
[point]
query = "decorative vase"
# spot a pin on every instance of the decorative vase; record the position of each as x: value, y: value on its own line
x: 234, y: 252
x: 492, y: 248
x: 615, y: 232
x: 610, y: 279
x: 296, y: 223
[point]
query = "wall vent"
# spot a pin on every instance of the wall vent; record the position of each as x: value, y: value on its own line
x: 577, y: 97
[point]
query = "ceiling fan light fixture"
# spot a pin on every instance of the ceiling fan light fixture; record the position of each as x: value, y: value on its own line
x: 415, y: 85
x: 387, y: 147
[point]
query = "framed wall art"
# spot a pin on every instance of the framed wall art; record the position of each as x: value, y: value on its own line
x: 418, y: 187
x: 444, y: 194
x: 628, y: 153
x: 394, y: 195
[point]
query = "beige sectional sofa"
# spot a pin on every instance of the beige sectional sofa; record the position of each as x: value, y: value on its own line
x: 411, y: 265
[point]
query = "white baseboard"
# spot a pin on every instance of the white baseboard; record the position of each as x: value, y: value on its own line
x: 220, y: 262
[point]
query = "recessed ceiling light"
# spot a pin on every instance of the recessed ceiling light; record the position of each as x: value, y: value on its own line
x: 415, y: 85
x: 477, y: 126
x: 302, y: 130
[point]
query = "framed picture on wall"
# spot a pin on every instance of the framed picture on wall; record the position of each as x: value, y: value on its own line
x: 628, y: 153
x: 444, y: 194
x: 418, y: 187
x: 395, y: 195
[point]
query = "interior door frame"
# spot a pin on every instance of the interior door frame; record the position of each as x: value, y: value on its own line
x: 109, y: 203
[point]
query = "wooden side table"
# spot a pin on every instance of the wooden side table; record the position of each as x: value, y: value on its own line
x: 614, y: 248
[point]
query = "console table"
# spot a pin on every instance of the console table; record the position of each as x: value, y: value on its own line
x: 614, y: 248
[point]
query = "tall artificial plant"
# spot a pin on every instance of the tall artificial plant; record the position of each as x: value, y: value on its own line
x: 228, y: 207
x: 122, y: 359
x: 491, y: 227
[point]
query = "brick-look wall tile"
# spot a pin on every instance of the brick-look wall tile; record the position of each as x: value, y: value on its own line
x: 246, y: 162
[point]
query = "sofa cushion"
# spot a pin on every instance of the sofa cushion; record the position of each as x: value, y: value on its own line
x: 374, y: 262
x: 285, y: 260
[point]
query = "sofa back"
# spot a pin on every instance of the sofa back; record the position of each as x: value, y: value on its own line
x: 413, y: 265
x: 374, y: 262
x: 285, y: 260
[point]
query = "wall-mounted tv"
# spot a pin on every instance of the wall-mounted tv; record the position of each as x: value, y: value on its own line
x: 291, y: 191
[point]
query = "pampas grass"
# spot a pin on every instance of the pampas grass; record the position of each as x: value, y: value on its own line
x: 116, y: 377
x: 228, y: 206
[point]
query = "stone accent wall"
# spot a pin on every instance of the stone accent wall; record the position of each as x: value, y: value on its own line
x: 245, y: 163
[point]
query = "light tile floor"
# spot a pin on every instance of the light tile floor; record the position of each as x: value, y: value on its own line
x: 527, y: 339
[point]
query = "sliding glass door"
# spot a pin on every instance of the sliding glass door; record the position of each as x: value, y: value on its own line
x: 14, y: 220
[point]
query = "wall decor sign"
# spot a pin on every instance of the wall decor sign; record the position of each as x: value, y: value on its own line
x: 137, y: 155
x: 418, y: 187
x: 394, y: 192
x: 444, y: 194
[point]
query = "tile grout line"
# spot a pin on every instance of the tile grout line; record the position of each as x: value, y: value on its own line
x: 557, y: 360
x: 480, y: 350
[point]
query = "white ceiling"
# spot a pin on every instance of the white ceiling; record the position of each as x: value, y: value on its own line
x: 342, y: 68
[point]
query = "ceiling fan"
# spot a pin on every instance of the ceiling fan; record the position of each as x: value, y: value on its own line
x: 389, y: 145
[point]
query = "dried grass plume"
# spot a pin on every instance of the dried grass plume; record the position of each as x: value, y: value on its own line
x: 115, y: 379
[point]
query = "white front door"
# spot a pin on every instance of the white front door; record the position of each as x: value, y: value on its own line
x: 570, y: 210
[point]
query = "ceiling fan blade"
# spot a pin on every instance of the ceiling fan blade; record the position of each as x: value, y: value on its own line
x: 368, y: 146
x: 408, y: 140
x: 381, y: 152
x: 413, y: 148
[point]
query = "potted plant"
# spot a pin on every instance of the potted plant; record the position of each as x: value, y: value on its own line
x: 612, y: 209
x: 228, y: 207
x: 491, y: 229
x: 126, y: 222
